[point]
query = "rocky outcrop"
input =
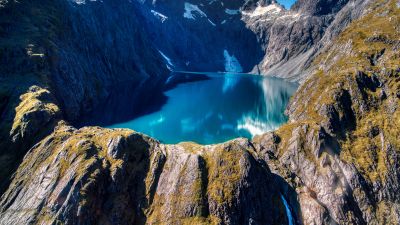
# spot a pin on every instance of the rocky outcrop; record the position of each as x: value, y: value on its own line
x: 318, y: 7
x: 96, y: 176
x: 201, y: 35
x: 61, y: 59
x: 37, y: 106
x: 340, y: 150
x: 33, y: 119
x: 293, y: 38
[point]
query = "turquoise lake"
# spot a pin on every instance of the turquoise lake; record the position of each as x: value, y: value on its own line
x: 218, y: 109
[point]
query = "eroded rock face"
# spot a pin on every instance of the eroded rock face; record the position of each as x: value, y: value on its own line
x: 340, y: 149
x: 37, y: 106
x: 293, y: 38
x: 61, y: 59
x: 202, y: 35
x: 318, y: 7
x: 34, y: 118
x: 311, y: 164
x: 106, y: 46
x: 96, y: 176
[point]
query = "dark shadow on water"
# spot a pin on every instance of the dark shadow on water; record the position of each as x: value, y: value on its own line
x: 130, y: 100
x: 177, y: 78
x: 216, y: 108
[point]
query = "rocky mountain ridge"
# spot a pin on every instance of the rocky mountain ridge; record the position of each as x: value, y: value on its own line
x: 101, y: 176
x: 293, y: 38
x: 335, y: 162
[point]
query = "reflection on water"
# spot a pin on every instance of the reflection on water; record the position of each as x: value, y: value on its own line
x: 216, y: 110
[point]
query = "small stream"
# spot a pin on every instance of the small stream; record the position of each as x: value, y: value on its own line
x: 288, y: 211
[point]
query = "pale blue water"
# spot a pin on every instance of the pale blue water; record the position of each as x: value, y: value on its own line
x: 216, y: 110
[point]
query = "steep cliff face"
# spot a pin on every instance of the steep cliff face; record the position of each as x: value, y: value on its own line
x: 69, y: 54
x: 293, y: 38
x: 80, y: 52
x: 273, y: 40
x: 101, y: 176
x: 202, y: 35
x: 340, y: 151
x: 318, y: 7
x: 105, y: 46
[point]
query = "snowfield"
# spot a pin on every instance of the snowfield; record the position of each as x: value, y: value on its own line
x: 232, y: 63
x: 262, y: 10
x: 191, y: 11
x: 232, y: 11
x: 168, y: 60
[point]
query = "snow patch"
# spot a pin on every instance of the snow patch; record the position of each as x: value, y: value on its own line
x: 169, y: 79
x: 167, y: 59
x: 231, y: 63
x: 261, y: 10
x: 290, y: 16
x: 211, y: 22
x: 191, y: 11
x: 160, y: 16
x: 81, y: 2
x: 232, y: 11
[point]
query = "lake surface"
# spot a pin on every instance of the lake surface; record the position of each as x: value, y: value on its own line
x: 218, y: 109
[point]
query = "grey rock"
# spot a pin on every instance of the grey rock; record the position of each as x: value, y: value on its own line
x: 73, y: 179
x: 293, y: 38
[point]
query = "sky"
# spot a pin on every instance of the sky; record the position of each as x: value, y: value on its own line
x: 286, y: 3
